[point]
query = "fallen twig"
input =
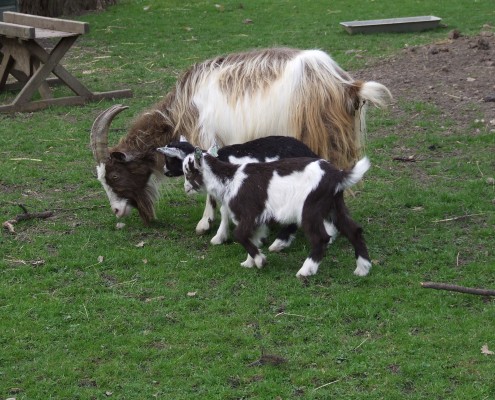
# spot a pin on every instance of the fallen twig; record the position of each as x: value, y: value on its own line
x: 405, y: 159
x: 326, y: 384
x: 456, y: 288
x: 456, y: 218
x: 9, y: 225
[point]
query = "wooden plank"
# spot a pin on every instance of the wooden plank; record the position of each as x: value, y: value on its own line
x: 62, y: 101
x: 42, y: 73
x: 44, y: 89
x: 47, y: 34
x: 58, y: 70
x: 18, y: 52
x: 114, y: 94
x: 17, y: 30
x: 41, y: 104
x: 54, y: 24
x: 16, y: 86
x: 5, y: 67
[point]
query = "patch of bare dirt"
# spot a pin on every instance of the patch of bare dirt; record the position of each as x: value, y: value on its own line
x: 456, y: 75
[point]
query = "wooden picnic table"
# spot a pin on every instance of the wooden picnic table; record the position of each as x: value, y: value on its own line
x: 26, y: 59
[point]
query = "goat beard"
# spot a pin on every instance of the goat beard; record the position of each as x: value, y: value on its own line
x: 145, y: 203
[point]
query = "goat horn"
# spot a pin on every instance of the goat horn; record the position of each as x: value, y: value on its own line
x: 99, y: 132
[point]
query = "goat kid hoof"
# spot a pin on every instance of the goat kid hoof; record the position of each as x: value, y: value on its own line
x: 249, y: 263
x: 363, y: 267
x: 304, y: 272
x: 309, y: 267
x: 303, y: 275
x: 260, y: 260
x: 278, y: 245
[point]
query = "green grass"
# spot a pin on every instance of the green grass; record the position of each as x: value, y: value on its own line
x: 72, y: 327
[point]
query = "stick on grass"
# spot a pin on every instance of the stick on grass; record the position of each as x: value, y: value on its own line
x: 9, y: 225
x: 456, y: 288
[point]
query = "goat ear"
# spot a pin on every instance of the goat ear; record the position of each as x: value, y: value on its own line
x: 120, y: 156
x: 173, y: 152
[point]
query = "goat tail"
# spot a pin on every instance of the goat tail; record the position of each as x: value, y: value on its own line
x: 353, y: 176
x: 369, y: 93
x: 375, y: 93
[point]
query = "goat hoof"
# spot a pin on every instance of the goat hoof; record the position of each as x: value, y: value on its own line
x: 217, y: 240
x: 363, y: 267
x: 203, y: 227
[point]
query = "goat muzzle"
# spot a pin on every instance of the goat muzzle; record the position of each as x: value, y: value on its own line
x: 99, y: 132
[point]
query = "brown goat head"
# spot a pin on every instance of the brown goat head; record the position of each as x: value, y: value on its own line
x: 127, y: 170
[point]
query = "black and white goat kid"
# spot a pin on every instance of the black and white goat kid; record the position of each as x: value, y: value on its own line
x: 266, y: 149
x: 303, y: 191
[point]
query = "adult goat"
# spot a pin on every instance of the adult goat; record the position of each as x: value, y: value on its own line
x: 234, y: 99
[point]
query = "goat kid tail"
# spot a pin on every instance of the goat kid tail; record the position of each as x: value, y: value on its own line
x: 353, y: 176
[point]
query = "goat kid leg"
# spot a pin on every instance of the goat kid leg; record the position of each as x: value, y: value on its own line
x: 284, y: 239
x: 260, y: 235
x: 319, y: 239
x: 332, y: 231
x: 204, y: 223
x: 223, y: 230
x: 242, y: 234
x: 352, y: 231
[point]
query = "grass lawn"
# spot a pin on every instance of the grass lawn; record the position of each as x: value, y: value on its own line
x: 91, y: 312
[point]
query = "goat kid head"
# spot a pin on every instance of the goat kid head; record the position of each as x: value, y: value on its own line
x: 191, y: 159
x: 126, y: 177
x: 174, y: 153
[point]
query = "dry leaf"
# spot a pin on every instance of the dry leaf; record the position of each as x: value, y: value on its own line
x: 9, y: 226
x: 100, y: 259
x: 191, y: 294
x: 120, y: 225
x: 247, y: 21
x: 140, y: 244
x: 484, y: 350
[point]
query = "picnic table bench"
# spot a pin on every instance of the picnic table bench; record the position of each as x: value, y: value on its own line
x: 24, y: 57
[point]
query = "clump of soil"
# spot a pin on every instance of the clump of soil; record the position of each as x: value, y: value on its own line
x: 457, y: 75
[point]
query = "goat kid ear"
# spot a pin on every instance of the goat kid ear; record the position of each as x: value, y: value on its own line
x: 173, y: 152
x: 213, y: 150
x: 120, y: 156
x: 198, y: 156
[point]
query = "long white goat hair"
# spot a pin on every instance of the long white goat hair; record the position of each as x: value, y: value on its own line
x: 287, y: 92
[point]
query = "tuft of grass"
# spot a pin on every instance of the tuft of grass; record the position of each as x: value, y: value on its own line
x: 86, y: 313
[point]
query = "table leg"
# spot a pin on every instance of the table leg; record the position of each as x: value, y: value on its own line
x: 42, y: 73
